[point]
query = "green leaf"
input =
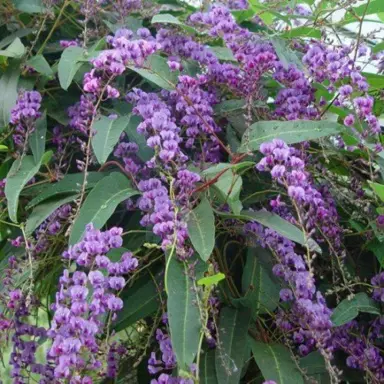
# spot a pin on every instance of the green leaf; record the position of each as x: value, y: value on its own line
x: 3, y: 148
x: 29, y: 6
x: 275, y: 362
x: 207, y: 369
x: 378, y: 47
x: 133, y: 22
x: 19, y: 33
x: 183, y: 313
x: 302, y: 32
x: 223, y: 53
x: 347, y: 310
x: 140, y: 300
x: 101, y: 203
x: 314, y: 366
x: 285, y: 54
x: 363, y: 10
x: 37, y: 138
x: 228, y: 106
x: 8, y: 95
x: 211, y: 280
x: 18, y: 176
x: 281, y: 226
x: 39, y: 64
x: 374, y: 80
x: 289, y: 131
x: 69, y: 184
x: 69, y: 64
x: 42, y: 211
x: 230, y: 357
x: 16, y: 49
x: 145, y: 153
x: 156, y: 70
x: 261, y: 293
x: 201, y: 229
x: 108, y: 132
x: 46, y: 158
x: 378, y: 189
x: 166, y: 18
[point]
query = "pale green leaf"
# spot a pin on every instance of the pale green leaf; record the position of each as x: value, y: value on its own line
x: 211, y: 280
x: 29, y: 6
x: 286, y: 55
x: 8, y: 94
x: 18, y: 176
x: 39, y: 64
x: 16, y: 49
x: 223, y: 53
x: 378, y: 189
x: 166, y: 18
x: 201, y: 229
x: 69, y: 64
x: 101, y: 203
x: 108, y: 132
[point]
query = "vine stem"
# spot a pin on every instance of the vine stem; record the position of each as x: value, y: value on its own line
x: 57, y: 21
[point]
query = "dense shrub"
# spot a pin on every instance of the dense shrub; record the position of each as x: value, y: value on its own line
x: 191, y: 195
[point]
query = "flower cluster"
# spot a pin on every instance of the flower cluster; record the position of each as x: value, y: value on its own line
x: 378, y: 284
x: 24, y: 116
x: 83, y: 301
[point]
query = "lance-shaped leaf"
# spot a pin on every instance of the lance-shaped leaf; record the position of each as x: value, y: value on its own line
x: 101, y: 203
x: 16, y: 49
x: 183, y: 313
x: 18, y: 176
x: 289, y: 131
x: 230, y: 357
x: 201, y: 229
x: 108, y: 132
x: 166, y: 18
x: 286, y: 55
x: 275, y: 363
x: 156, y: 70
x: 29, y: 6
x: 8, y: 94
x: 70, y: 184
x: 70, y: 62
x: 347, y: 310
x: 37, y: 138
x: 261, y: 293
x: 39, y: 64
x: 42, y: 211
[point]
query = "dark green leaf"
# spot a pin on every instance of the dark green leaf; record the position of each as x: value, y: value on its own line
x: 201, y: 229
x: 19, y: 33
x: 140, y: 300
x: 275, y: 362
x: 42, y: 211
x: 314, y: 367
x: 69, y: 184
x: 108, y: 132
x: 285, y: 54
x: 378, y: 189
x: 39, y: 64
x: 156, y: 70
x: 289, y: 131
x: 228, y: 106
x: 69, y: 64
x: 230, y: 357
x: 8, y: 94
x: 347, y: 310
x: 101, y: 203
x: 29, y: 6
x: 37, y: 138
x: 18, y: 176
x: 145, y: 153
x: 261, y: 293
x: 207, y: 369
x: 16, y: 49
x: 183, y: 313
x: 166, y: 18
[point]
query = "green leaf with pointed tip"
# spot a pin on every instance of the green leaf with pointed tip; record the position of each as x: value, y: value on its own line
x: 302, y: 32
x: 39, y: 64
x: 71, y: 183
x: 347, y: 310
x: 29, y: 6
x: 261, y: 293
x: 314, y: 366
x: 230, y: 357
x: 8, y: 94
x: 156, y: 70
x: 183, y: 313
x: 16, y: 49
x: 18, y: 176
x: 70, y: 62
x: 3, y: 148
x: 42, y: 211
x: 108, y: 132
x: 289, y: 131
x: 286, y: 55
x: 166, y: 18
x: 19, y: 33
x: 211, y: 280
x: 378, y: 189
x: 275, y: 363
x: 101, y: 203
x: 37, y: 138
x: 201, y: 229
x: 207, y: 370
